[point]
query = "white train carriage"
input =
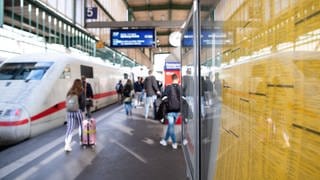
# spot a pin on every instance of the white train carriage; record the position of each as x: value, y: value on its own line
x: 33, y: 90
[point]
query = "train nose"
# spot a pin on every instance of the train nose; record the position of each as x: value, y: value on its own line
x: 14, y: 123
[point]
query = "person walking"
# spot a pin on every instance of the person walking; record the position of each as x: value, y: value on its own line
x: 187, y: 87
x: 74, y: 114
x: 138, y: 87
x: 127, y: 95
x: 151, y: 89
x: 172, y: 92
x: 88, y: 94
x: 119, y: 88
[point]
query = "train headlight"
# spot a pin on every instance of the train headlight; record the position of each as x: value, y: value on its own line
x: 12, y: 114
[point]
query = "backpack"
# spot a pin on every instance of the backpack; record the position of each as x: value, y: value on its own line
x: 119, y: 88
x: 173, y: 99
x: 72, y: 103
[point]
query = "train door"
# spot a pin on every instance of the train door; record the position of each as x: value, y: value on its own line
x: 88, y: 72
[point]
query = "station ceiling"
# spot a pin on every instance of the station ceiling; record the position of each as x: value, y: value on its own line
x: 168, y: 15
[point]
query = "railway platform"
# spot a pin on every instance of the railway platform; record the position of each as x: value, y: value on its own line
x: 127, y: 148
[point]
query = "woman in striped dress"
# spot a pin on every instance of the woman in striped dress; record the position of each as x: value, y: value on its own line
x: 74, y: 114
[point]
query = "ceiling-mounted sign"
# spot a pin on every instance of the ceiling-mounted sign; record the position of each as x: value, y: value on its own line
x: 91, y: 12
x: 208, y: 38
x: 172, y: 66
x: 132, y: 38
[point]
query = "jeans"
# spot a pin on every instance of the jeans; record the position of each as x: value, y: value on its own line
x: 149, y: 101
x: 128, y: 108
x: 137, y: 98
x: 172, y: 118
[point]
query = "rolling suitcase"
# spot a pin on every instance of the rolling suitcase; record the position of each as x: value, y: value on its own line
x: 89, y: 132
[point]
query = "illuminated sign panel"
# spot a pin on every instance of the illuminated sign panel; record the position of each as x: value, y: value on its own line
x: 208, y: 38
x: 132, y: 38
x: 172, y: 66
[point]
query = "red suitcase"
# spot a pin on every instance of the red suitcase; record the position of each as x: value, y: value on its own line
x: 89, y: 132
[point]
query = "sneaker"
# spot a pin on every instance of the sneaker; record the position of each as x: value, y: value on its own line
x: 185, y: 142
x: 174, y: 145
x: 163, y: 142
x: 67, y: 148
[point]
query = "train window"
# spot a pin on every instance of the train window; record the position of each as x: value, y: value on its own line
x: 24, y: 71
x: 125, y: 76
x: 86, y: 71
x: 66, y: 74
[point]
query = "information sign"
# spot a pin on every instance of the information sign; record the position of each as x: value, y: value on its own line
x: 92, y: 13
x: 132, y: 38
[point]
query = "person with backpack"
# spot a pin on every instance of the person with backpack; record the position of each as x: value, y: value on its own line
x: 119, y: 88
x: 172, y: 92
x: 74, y: 114
x: 127, y: 95
x: 151, y: 89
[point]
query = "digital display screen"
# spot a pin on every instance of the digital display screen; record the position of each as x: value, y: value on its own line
x: 208, y: 38
x: 132, y: 38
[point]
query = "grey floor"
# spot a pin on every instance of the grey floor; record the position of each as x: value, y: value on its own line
x: 127, y: 148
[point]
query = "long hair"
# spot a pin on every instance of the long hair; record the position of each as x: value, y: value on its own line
x: 129, y: 83
x: 76, y: 88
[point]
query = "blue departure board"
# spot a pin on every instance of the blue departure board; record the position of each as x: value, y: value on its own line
x: 132, y: 38
x: 208, y: 38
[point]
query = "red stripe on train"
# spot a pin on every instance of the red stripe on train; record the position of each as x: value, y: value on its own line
x: 51, y: 110
x: 102, y: 95
x: 14, y: 123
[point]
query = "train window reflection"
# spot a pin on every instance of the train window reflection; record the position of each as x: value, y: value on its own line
x: 24, y: 71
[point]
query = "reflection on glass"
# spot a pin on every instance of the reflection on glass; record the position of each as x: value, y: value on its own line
x: 260, y: 90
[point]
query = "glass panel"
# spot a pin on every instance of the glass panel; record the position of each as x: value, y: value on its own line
x: 210, y: 90
x: 188, y: 84
x: 1, y: 13
x: 265, y: 124
x: 52, y: 3
x: 79, y: 12
x: 69, y: 9
x: 61, y: 6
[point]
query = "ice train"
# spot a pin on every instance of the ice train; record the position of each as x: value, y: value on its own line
x: 33, y: 90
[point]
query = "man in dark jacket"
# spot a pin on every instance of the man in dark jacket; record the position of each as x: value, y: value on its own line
x: 173, y: 93
x: 138, y: 88
x: 88, y: 94
x: 151, y: 89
